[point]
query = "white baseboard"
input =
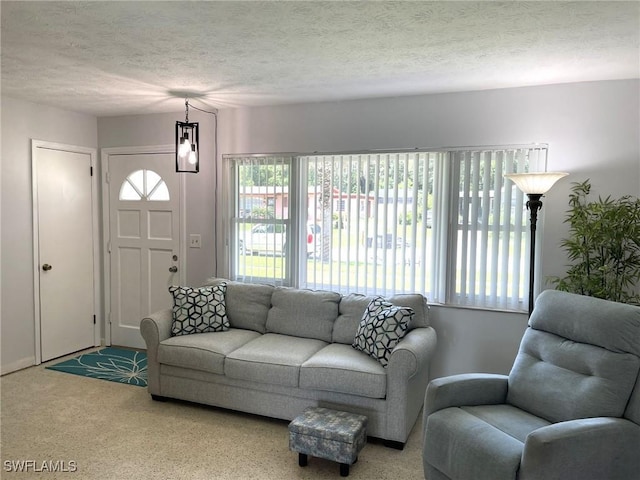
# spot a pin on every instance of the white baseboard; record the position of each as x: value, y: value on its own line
x: 17, y: 365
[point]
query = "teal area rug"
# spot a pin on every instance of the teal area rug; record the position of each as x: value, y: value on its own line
x: 113, y: 364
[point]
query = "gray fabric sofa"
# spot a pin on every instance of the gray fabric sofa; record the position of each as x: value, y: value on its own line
x: 569, y: 409
x: 288, y: 349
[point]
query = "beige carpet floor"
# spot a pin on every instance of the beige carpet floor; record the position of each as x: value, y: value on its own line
x: 115, y: 431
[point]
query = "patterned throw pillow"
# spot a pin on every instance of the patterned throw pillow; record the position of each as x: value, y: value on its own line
x: 199, y: 310
x: 382, y: 326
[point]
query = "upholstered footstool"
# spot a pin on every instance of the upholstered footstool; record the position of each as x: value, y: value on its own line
x: 329, y: 434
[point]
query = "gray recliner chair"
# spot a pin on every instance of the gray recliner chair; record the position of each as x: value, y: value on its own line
x: 569, y: 409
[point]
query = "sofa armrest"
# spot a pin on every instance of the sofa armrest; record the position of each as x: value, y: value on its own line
x: 413, y: 352
x: 154, y: 329
x: 407, y: 378
x: 601, y: 447
x: 465, y: 389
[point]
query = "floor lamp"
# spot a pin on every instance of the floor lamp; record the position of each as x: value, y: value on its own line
x: 535, y: 185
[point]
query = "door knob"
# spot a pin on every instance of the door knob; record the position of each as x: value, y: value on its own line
x: 46, y: 267
x: 173, y: 269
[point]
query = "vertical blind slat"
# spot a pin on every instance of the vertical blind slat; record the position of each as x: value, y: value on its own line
x: 496, y: 283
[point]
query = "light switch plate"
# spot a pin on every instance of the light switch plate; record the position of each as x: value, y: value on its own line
x: 195, y: 241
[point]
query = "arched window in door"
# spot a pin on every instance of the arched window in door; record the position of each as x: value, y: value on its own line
x: 144, y: 184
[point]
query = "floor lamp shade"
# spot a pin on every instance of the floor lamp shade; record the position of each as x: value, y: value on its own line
x: 535, y: 185
x: 535, y: 182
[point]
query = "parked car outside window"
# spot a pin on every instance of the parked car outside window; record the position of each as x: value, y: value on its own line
x: 271, y: 239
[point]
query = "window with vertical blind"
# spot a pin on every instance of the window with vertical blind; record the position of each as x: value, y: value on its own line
x: 445, y: 223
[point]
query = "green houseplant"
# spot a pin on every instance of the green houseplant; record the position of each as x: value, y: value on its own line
x: 603, y: 246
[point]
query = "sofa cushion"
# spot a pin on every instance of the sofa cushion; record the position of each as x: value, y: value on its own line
x: 204, y: 351
x: 271, y: 358
x: 352, y: 307
x: 198, y: 310
x: 342, y: 369
x: 303, y: 313
x: 416, y: 302
x: 382, y: 327
x: 559, y: 379
x: 350, y: 312
x: 247, y: 303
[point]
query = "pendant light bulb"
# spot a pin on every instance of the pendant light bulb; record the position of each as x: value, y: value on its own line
x: 193, y: 156
x: 185, y: 145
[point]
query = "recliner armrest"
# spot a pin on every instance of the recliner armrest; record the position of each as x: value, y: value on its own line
x: 601, y: 447
x: 465, y: 390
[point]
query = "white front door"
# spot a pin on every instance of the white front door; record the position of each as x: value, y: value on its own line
x: 63, y: 249
x: 144, y: 240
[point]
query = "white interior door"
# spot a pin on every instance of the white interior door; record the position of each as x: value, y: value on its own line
x: 64, y: 251
x: 144, y: 240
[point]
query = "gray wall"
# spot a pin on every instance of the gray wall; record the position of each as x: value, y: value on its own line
x: 145, y: 130
x: 21, y: 122
x: 593, y: 130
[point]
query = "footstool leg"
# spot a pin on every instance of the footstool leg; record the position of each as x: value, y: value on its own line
x: 344, y: 470
x: 302, y: 459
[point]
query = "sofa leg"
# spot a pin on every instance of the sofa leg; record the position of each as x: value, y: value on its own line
x: 394, y: 444
x: 302, y: 459
x: 159, y: 398
x: 344, y: 470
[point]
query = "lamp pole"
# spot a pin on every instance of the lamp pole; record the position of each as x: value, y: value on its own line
x: 534, y: 204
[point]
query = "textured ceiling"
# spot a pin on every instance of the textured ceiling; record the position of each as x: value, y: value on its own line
x: 112, y: 58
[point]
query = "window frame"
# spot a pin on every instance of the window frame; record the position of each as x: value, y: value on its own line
x: 445, y: 199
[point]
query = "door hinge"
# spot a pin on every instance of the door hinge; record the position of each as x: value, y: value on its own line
x: 94, y: 319
x: 108, y: 247
x: 91, y: 171
x: 107, y: 177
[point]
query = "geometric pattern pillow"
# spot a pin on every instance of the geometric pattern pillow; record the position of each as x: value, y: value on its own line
x: 199, y: 310
x: 382, y: 326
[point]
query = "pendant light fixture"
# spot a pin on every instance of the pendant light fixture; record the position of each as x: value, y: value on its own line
x: 187, y: 148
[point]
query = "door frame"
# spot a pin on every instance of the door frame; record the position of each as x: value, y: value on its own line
x: 97, y: 279
x: 106, y: 153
